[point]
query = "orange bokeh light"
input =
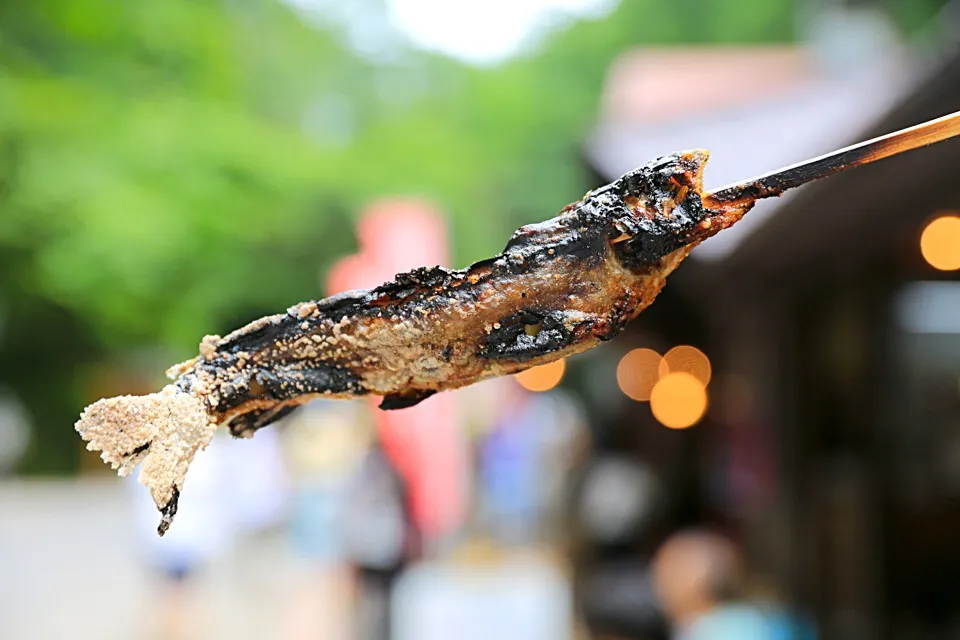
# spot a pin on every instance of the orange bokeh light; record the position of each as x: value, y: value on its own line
x: 542, y: 378
x: 638, y: 372
x: 940, y: 243
x: 678, y: 400
x: 687, y: 359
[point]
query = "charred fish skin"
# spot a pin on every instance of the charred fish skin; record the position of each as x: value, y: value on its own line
x: 558, y: 288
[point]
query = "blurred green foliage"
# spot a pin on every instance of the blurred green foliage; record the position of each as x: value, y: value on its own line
x: 169, y: 165
x: 169, y: 169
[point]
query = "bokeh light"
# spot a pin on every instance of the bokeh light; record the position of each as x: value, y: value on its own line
x: 638, y: 372
x: 687, y: 359
x: 542, y: 378
x: 940, y: 243
x: 678, y: 400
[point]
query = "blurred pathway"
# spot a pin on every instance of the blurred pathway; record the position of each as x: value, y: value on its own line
x: 70, y: 567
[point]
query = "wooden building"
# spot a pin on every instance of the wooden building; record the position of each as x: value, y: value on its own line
x: 833, y: 445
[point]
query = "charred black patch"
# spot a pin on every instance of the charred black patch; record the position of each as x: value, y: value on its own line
x: 346, y: 302
x: 414, y: 282
x: 661, y: 184
x: 286, y: 382
x: 321, y: 378
x: 610, y: 331
x: 138, y: 450
x: 405, y: 400
x: 486, y: 263
x: 263, y: 335
x: 581, y: 234
x: 654, y: 238
x: 283, y: 382
x: 585, y: 228
x: 168, y: 512
x: 526, y: 335
x: 259, y: 419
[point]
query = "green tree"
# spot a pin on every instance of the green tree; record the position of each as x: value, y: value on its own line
x: 169, y: 169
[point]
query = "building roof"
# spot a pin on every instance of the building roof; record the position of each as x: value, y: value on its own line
x: 880, y: 205
x: 653, y: 85
x: 758, y: 108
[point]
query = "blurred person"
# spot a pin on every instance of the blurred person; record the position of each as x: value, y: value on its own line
x: 381, y: 538
x: 617, y: 500
x: 257, y: 482
x: 240, y: 488
x: 351, y: 527
x: 324, y: 444
x: 698, y: 577
x: 565, y: 442
x: 204, y: 531
x: 618, y: 602
x: 524, y: 460
x: 508, y: 474
x: 256, y: 493
x: 785, y: 624
x: 616, y: 503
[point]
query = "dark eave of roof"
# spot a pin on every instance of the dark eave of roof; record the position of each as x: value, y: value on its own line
x: 850, y: 216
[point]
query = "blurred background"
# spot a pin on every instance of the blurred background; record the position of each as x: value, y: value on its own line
x: 771, y: 451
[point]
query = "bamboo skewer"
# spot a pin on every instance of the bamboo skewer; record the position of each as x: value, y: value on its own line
x: 776, y: 182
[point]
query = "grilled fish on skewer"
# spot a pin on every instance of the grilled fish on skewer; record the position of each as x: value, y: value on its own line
x: 560, y: 287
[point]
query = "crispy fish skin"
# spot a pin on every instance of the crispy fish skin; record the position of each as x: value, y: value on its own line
x: 560, y: 287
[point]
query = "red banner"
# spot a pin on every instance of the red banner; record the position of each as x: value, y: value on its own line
x: 424, y: 441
